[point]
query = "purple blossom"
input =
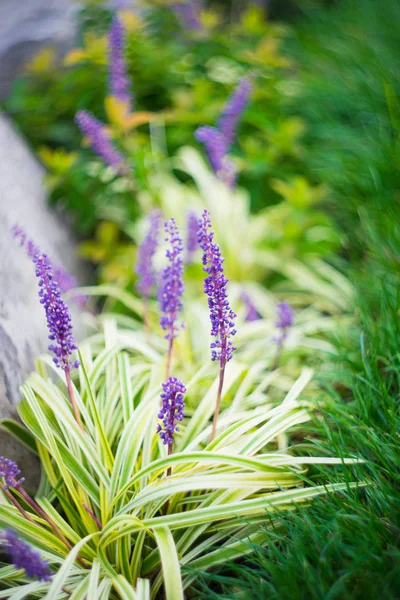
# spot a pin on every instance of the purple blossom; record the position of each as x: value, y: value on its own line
x: 285, y: 316
x: 146, y: 251
x: 221, y: 315
x: 57, y: 312
x: 251, y: 311
x: 191, y: 236
x: 100, y: 140
x: 118, y: 77
x: 187, y: 13
x: 284, y: 321
x: 24, y: 556
x: 172, y: 281
x: 63, y: 278
x: 217, y: 149
x: 172, y: 409
x: 233, y: 109
x: 10, y: 471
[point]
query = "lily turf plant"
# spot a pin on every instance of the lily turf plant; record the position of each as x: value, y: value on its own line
x: 135, y: 489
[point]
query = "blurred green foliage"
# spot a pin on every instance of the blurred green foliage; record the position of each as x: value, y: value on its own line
x: 181, y: 79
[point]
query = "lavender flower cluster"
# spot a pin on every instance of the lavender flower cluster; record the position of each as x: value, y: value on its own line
x: 191, y: 236
x: 118, y: 78
x: 172, y: 281
x: 187, y: 13
x: 251, y: 310
x: 284, y: 321
x: 146, y: 251
x: 100, y: 140
x: 23, y: 556
x: 10, y: 472
x: 217, y: 140
x: 172, y: 409
x: 222, y: 316
x: 57, y: 313
x: 119, y: 83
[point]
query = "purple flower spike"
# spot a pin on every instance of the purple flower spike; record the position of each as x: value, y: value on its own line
x: 221, y: 315
x: 172, y: 282
x: 57, y: 312
x: 252, y: 313
x: 100, y: 141
x: 285, y: 316
x: 146, y: 251
x: 118, y: 77
x: 65, y: 280
x: 10, y: 471
x: 172, y: 409
x: 284, y: 320
x: 233, y: 109
x: 187, y: 13
x: 24, y: 556
x: 191, y: 236
x: 216, y: 148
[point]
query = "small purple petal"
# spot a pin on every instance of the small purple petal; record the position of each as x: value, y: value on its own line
x: 172, y: 409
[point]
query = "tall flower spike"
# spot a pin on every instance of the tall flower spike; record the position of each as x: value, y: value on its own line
x: 10, y: 472
x: 172, y: 281
x: 191, y: 236
x: 283, y: 323
x: 251, y: 311
x: 24, y: 556
x: 284, y: 320
x: 63, y: 278
x: 171, y: 289
x: 172, y: 410
x: 100, y: 141
x: 118, y: 78
x: 144, y: 264
x: 233, y: 109
x: 187, y: 13
x: 221, y: 315
x: 216, y: 148
x: 217, y: 140
x: 57, y: 313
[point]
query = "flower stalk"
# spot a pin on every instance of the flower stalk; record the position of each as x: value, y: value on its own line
x: 222, y: 316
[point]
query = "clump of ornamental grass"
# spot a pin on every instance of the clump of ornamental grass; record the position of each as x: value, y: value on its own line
x: 146, y: 483
x: 106, y: 488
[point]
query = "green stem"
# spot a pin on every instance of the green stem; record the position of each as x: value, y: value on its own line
x: 72, y: 398
x: 219, y: 395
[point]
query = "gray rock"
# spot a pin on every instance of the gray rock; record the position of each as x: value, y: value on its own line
x: 23, y: 333
x: 27, y: 26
